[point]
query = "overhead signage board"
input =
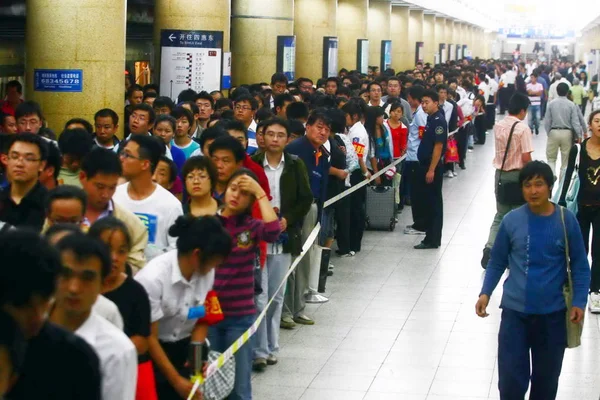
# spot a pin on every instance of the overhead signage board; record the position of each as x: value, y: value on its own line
x: 190, y: 60
x: 58, y: 80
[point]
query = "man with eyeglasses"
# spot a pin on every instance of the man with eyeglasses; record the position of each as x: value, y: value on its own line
x: 305, y: 85
x: 291, y: 198
x: 29, y: 117
x: 65, y: 204
x: 22, y: 202
x: 156, y: 207
x: 141, y: 120
x: 244, y: 110
x: 375, y: 94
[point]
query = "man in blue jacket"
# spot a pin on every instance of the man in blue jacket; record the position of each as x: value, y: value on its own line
x: 531, y: 241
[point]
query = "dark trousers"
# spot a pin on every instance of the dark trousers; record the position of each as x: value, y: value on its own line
x: 418, y: 208
x: 505, y: 93
x: 405, y: 184
x: 589, y: 216
x: 480, y: 129
x: 462, y: 140
x: 537, y: 339
x: 357, y: 211
x: 342, y: 219
x: 178, y: 353
x: 490, y: 116
x: 429, y: 196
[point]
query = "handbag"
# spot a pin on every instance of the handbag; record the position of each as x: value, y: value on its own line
x: 509, y: 193
x: 574, y: 330
x: 451, y: 151
x: 570, y: 200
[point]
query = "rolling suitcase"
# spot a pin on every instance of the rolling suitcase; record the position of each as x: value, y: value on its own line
x: 381, y: 208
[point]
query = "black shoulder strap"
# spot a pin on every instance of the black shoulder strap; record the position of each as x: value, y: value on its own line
x: 510, y: 135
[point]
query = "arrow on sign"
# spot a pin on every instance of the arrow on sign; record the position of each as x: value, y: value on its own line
x: 171, y: 37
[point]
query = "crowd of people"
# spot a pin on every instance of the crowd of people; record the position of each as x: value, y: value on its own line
x: 175, y: 237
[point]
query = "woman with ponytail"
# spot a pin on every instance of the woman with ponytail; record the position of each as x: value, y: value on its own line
x: 177, y: 283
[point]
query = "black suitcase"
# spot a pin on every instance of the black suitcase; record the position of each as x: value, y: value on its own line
x: 381, y: 208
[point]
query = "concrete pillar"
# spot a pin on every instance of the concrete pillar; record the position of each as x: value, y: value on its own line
x: 352, y: 23
x: 429, y: 36
x: 193, y: 15
x: 84, y: 35
x: 402, y: 50
x: 378, y: 29
x: 440, y: 34
x: 313, y: 19
x: 255, y: 25
x: 415, y: 33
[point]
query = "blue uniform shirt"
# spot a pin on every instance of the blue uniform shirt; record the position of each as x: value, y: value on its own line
x: 415, y: 132
x: 317, y: 167
x: 436, y: 131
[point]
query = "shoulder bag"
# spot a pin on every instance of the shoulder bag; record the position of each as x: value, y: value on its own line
x: 509, y: 193
x: 570, y: 199
x: 574, y: 330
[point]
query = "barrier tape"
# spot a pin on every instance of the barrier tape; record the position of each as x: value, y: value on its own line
x: 219, y: 362
x: 224, y: 357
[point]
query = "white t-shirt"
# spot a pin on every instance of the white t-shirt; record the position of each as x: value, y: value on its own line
x: 360, y: 140
x: 535, y: 87
x: 108, y: 310
x: 172, y: 296
x: 484, y: 90
x: 157, y: 211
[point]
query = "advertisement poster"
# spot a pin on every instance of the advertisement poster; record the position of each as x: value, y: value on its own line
x: 451, y: 52
x: 442, y: 53
x: 419, y: 52
x: 459, y: 55
x: 286, y: 56
x: 190, y: 60
x: 386, y: 55
x: 330, y: 56
x: 362, y: 56
x: 226, y: 82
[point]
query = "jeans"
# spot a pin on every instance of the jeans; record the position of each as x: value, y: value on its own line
x: 501, y: 209
x: 223, y: 335
x: 589, y: 216
x: 534, y: 118
x: 266, y: 339
x: 559, y: 139
x: 537, y: 339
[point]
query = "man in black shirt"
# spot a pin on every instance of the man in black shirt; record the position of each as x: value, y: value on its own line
x: 58, y: 364
x: 428, y: 185
x: 22, y: 202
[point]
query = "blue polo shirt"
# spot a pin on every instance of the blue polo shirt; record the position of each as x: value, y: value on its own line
x: 415, y: 132
x: 436, y: 131
x: 316, y: 165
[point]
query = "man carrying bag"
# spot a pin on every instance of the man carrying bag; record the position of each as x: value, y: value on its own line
x: 513, y: 151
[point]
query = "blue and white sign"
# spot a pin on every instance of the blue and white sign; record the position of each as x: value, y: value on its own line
x: 58, y: 80
x: 190, y: 60
x: 226, y: 81
x: 289, y: 57
x: 386, y: 54
x: 330, y: 56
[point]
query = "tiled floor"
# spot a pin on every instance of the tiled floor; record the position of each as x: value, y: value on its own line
x: 400, y: 323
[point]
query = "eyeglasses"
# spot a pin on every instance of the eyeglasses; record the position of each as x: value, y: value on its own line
x: 27, y: 158
x: 274, y: 135
x: 138, y: 117
x: 129, y: 155
x: 193, y: 177
x: 243, y: 108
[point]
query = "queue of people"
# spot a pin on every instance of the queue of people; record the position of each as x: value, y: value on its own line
x: 210, y: 199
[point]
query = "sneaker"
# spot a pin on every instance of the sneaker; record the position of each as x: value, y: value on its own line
x: 448, y: 174
x: 486, y: 257
x: 259, y: 364
x: 349, y: 254
x: 594, y: 303
x: 409, y: 230
x: 287, y: 323
x: 330, y: 269
x: 271, y: 360
x: 454, y: 173
x: 470, y: 150
x: 303, y: 320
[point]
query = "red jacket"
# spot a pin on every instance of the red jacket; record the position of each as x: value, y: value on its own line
x: 264, y: 183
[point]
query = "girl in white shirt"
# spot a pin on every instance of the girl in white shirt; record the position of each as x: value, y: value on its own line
x: 177, y: 283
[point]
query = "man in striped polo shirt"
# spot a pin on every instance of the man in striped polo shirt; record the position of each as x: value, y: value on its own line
x: 535, y: 90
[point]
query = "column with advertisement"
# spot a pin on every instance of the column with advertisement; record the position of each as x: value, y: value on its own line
x: 190, y: 60
x: 286, y: 56
x: 362, y: 56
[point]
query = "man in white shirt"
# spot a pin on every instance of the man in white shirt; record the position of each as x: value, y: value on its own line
x: 85, y: 264
x: 155, y: 206
x: 375, y: 94
x: 558, y: 78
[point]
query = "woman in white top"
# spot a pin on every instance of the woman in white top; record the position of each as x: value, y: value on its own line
x: 177, y: 283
